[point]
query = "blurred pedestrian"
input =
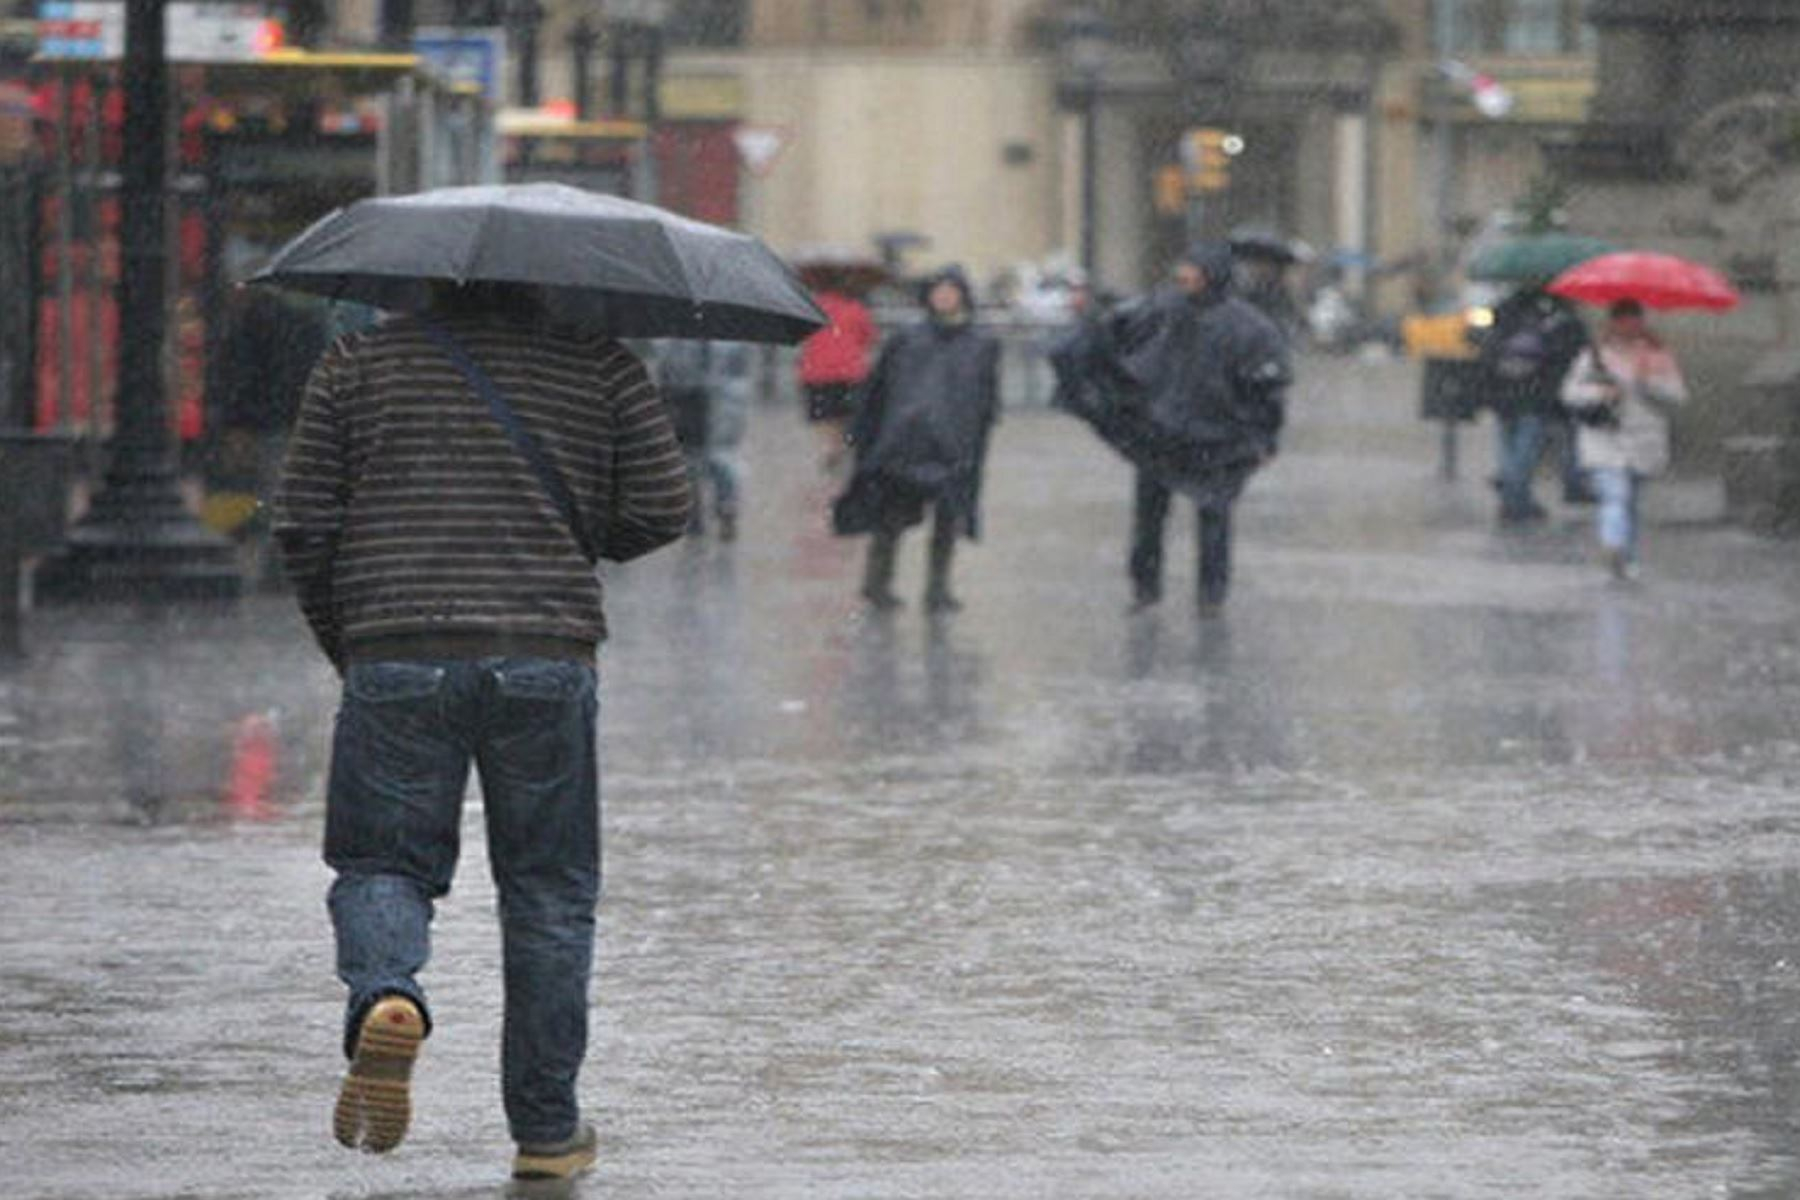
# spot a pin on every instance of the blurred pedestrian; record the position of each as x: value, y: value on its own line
x: 1525, y: 357
x: 452, y: 481
x: 268, y: 347
x: 1621, y: 392
x: 1263, y: 283
x: 707, y: 386
x: 1214, y: 374
x: 834, y: 362
x: 921, y: 439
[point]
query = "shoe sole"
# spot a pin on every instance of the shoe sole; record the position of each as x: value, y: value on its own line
x: 534, y: 1167
x: 374, y: 1105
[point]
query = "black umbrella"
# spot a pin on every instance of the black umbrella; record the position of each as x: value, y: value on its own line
x: 1265, y: 244
x: 630, y: 269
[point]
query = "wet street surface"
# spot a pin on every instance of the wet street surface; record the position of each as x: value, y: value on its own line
x: 1437, y: 867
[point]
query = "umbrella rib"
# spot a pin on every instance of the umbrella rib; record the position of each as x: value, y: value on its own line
x: 687, y: 277
x: 480, y: 238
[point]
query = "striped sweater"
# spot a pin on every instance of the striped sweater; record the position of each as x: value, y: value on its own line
x: 412, y: 527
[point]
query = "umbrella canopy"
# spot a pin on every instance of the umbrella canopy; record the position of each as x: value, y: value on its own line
x: 838, y: 268
x: 1535, y: 258
x: 1265, y: 244
x: 1654, y: 280
x: 629, y: 269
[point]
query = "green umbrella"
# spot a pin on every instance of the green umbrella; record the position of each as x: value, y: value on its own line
x: 1536, y: 257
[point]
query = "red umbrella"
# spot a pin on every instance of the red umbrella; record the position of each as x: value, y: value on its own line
x: 1653, y: 280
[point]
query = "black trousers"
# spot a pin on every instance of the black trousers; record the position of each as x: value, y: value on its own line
x: 1150, y: 517
x: 884, y: 548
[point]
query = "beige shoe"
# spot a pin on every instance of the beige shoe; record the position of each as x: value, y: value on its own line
x: 557, y: 1160
x: 374, y: 1105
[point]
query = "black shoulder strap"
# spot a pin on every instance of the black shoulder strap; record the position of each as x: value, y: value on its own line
x: 522, y: 439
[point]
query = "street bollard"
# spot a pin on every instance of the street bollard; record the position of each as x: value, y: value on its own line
x: 1451, y: 394
x: 34, y: 491
x: 11, y: 583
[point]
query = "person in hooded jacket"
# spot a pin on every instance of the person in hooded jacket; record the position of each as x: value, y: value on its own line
x: 708, y: 387
x: 1212, y: 374
x: 1534, y: 341
x: 920, y: 438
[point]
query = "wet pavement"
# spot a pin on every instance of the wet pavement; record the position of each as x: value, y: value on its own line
x: 1438, y: 867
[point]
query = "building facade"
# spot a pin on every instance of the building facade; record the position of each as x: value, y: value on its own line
x: 1693, y: 147
x: 961, y: 122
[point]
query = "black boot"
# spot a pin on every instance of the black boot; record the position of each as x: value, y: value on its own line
x: 878, y: 573
x: 943, y: 549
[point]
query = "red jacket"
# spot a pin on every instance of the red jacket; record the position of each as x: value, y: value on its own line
x: 838, y: 353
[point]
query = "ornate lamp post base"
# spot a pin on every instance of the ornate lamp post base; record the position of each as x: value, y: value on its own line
x: 140, y: 542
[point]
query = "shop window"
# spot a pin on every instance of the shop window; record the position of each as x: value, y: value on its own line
x: 707, y: 22
x: 1511, y: 27
x: 1535, y: 27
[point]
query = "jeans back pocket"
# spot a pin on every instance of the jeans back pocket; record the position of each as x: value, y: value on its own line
x: 543, y: 680
x: 394, y: 682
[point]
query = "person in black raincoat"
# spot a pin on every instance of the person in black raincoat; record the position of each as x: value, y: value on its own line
x: 921, y: 438
x: 1263, y: 283
x: 1190, y: 385
x: 1535, y: 339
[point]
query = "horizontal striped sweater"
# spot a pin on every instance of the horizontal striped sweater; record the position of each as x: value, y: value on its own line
x: 410, y: 524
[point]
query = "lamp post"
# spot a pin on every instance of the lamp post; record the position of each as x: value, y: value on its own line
x: 139, y: 540
x: 637, y: 32
x: 1085, y: 37
x: 524, y: 20
x: 583, y: 38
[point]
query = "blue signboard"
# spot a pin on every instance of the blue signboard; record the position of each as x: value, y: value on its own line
x: 476, y: 56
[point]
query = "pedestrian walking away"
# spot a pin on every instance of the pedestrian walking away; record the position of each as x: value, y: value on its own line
x: 707, y: 386
x: 921, y: 439
x: 1621, y: 392
x: 834, y: 363
x: 1525, y: 357
x: 1212, y: 374
x: 453, y: 479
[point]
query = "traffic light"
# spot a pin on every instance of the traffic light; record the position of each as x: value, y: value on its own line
x: 1170, y: 190
x: 1206, y: 155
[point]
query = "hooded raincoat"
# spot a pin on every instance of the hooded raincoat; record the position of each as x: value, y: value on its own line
x: 1190, y: 388
x: 921, y: 433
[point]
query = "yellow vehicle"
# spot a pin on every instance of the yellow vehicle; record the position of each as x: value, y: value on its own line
x: 1449, y: 346
x: 1443, y: 335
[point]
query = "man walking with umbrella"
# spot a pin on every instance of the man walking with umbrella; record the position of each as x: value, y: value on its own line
x: 463, y: 612
x: 454, y: 477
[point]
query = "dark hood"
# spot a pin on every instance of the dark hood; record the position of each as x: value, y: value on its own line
x: 1217, y: 260
x: 952, y: 274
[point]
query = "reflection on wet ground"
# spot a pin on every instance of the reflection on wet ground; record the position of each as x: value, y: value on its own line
x: 1436, y: 868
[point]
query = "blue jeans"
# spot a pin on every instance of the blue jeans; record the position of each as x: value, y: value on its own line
x: 721, y: 469
x: 1522, y: 442
x: 1618, y: 515
x: 1521, y: 448
x: 406, y: 734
